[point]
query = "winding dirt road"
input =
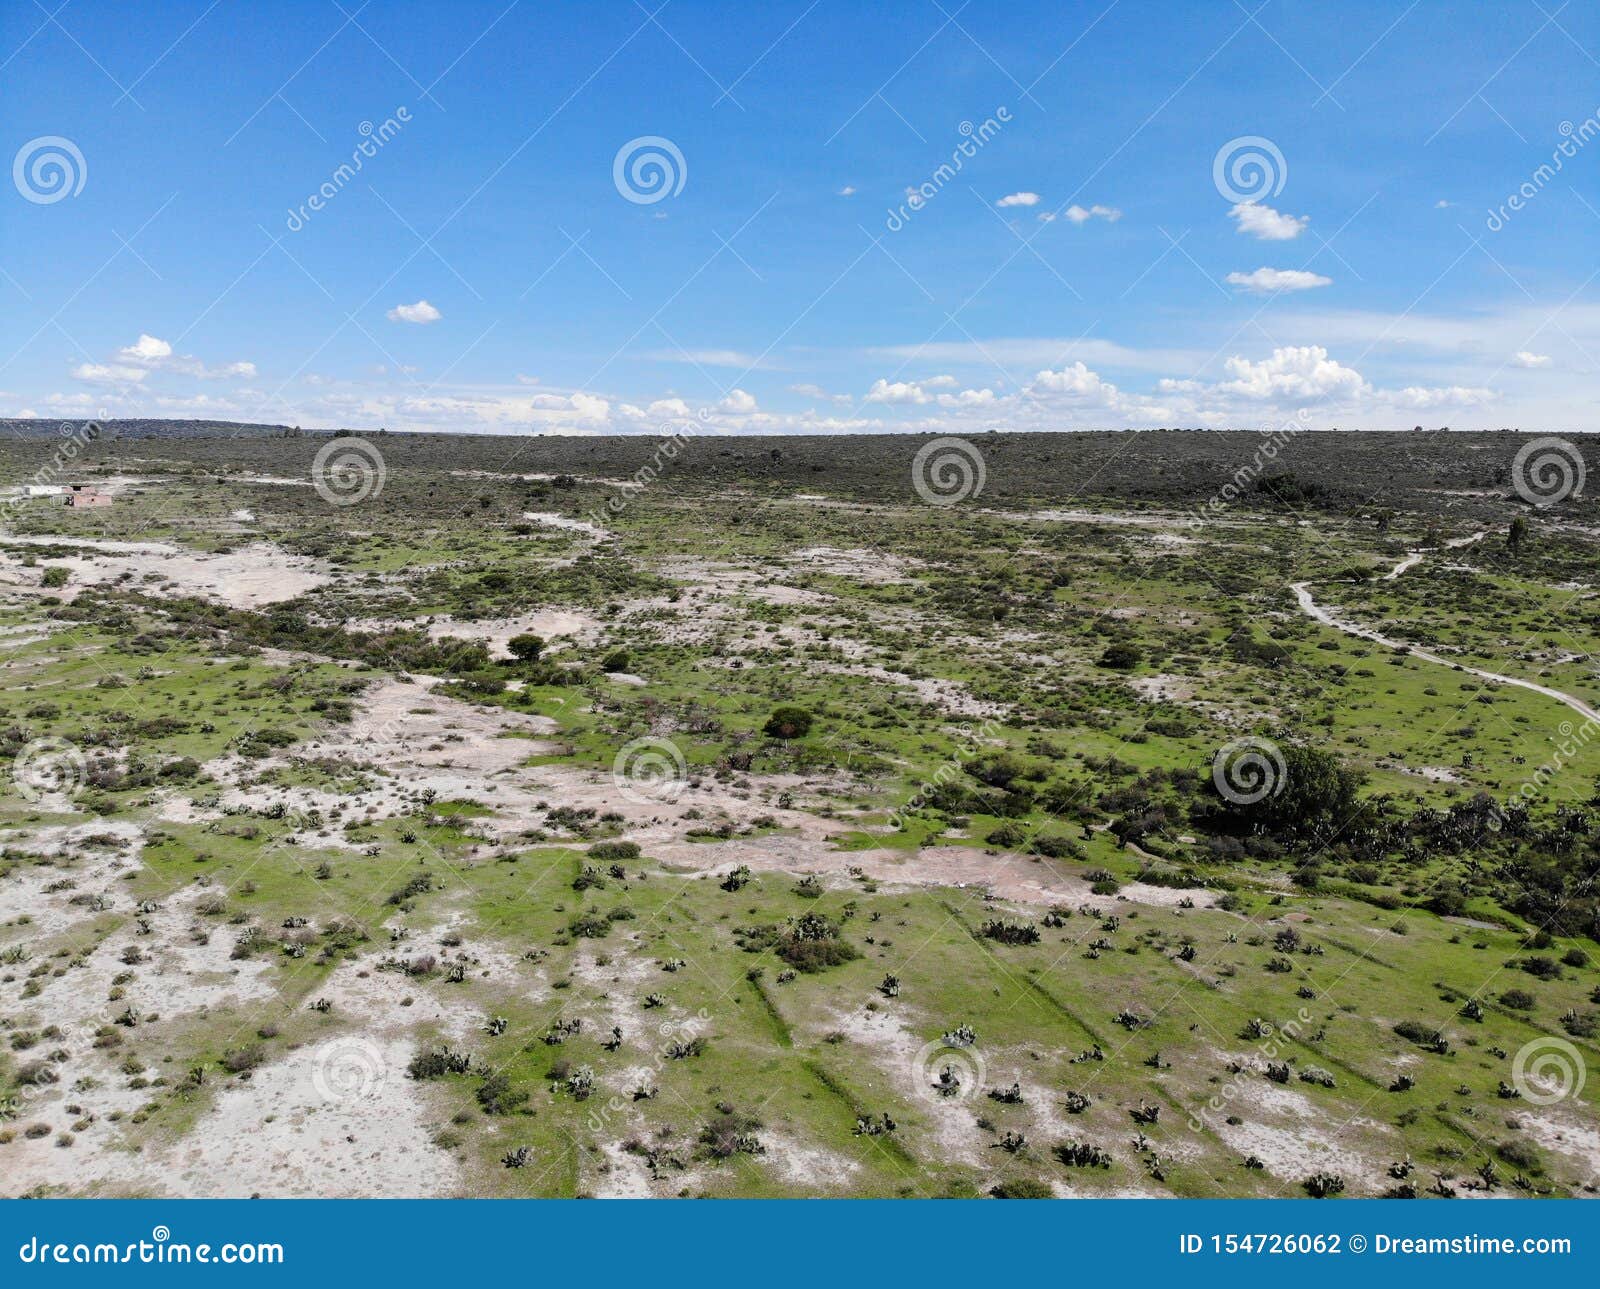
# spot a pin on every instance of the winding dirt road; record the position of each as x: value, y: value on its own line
x: 1329, y: 617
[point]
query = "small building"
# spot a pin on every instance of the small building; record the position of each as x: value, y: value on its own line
x: 43, y: 490
x: 86, y: 494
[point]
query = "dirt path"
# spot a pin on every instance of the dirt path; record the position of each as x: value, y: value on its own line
x: 1330, y: 618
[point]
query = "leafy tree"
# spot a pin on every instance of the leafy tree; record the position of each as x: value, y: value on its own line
x: 788, y: 722
x: 1122, y: 656
x: 526, y: 647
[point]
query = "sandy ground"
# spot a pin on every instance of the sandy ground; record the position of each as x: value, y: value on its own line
x: 331, y: 1120
x: 248, y: 578
x: 558, y: 627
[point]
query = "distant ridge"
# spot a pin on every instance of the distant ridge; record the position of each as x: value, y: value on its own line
x: 47, y: 427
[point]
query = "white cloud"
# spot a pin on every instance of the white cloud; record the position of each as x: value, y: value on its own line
x: 1442, y: 204
x: 1266, y: 224
x: 847, y: 191
x: 154, y: 354
x: 147, y: 349
x: 1078, y: 215
x: 1300, y: 373
x: 527, y: 380
x: 1018, y: 199
x: 109, y: 373
x: 809, y: 389
x: 421, y: 312
x: 1425, y: 399
x: 1076, y: 382
x: 1264, y: 280
x: 738, y: 402
x: 588, y: 407
x: 1525, y: 359
x: 899, y: 391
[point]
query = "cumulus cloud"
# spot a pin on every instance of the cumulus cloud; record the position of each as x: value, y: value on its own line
x: 898, y: 391
x: 1298, y: 373
x: 421, y: 313
x: 152, y: 354
x: 1264, y: 281
x: 739, y: 402
x: 147, y: 349
x: 1267, y: 224
x: 1018, y: 199
x: 1082, y: 215
x: 847, y: 191
x: 1076, y: 382
x: 1525, y: 359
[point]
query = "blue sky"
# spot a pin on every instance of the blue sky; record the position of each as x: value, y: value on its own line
x: 1088, y: 263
